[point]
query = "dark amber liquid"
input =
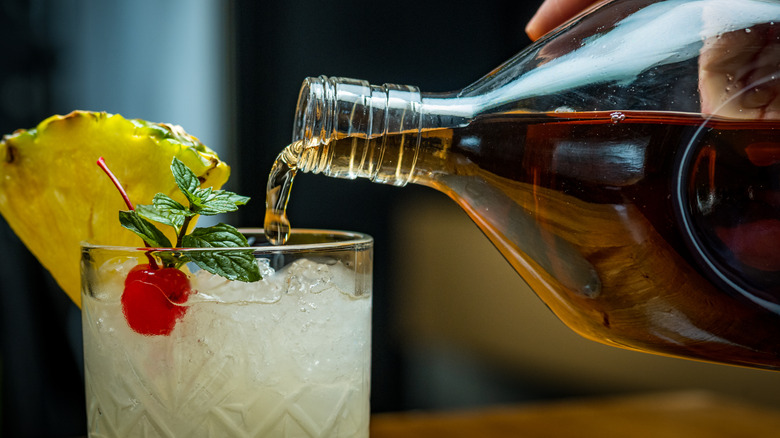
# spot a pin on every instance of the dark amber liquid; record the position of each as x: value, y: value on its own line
x: 655, y: 231
x: 651, y: 231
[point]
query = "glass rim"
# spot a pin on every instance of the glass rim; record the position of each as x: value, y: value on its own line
x: 350, y: 239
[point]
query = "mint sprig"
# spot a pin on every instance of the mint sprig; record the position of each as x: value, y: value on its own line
x: 233, y: 265
x: 144, y: 229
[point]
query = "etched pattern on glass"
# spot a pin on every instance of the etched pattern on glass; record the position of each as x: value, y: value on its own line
x: 295, y: 365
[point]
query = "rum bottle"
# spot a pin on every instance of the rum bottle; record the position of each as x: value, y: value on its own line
x: 627, y: 165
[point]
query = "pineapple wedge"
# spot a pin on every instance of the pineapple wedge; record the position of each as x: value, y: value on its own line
x: 54, y: 196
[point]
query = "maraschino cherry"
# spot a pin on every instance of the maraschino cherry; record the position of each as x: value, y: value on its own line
x: 153, y: 296
x: 152, y: 299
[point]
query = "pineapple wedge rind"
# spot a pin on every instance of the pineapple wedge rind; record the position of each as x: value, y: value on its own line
x: 54, y: 196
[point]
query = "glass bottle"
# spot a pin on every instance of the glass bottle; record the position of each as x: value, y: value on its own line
x: 627, y: 165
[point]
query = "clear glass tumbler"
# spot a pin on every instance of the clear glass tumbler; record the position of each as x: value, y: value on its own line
x: 287, y: 356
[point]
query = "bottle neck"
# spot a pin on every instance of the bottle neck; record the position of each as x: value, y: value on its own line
x: 348, y: 128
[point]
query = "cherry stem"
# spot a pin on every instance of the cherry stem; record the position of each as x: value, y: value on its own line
x: 102, y: 163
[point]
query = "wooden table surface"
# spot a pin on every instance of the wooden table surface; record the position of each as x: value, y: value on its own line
x: 668, y: 415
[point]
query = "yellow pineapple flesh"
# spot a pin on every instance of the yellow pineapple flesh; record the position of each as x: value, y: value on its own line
x: 54, y: 196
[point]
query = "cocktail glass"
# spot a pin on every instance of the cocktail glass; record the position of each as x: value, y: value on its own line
x: 287, y: 356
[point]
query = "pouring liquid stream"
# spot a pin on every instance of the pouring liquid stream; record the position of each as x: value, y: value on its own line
x: 280, y: 180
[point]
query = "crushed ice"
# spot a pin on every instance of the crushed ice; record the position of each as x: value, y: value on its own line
x: 300, y: 278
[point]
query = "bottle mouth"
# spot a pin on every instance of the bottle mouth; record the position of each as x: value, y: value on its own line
x: 309, y: 108
x: 322, y: 102
x: 333, y: 109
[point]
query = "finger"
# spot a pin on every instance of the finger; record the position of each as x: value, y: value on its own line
x: 553, y: 13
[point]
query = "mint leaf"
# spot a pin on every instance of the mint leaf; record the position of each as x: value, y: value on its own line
x: 165, y: 203
x: 223, y: 196
x: 217, y: 236
x: 144, y: 229
x: 185, y: 178
x: 171, y: 212
x: 234, y: 264
x: 210, y: 202
x: 165, y: 217
x: 235, y: 198
x: 204, y: 201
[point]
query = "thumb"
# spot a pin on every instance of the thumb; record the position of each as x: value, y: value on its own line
x: 552, y: 13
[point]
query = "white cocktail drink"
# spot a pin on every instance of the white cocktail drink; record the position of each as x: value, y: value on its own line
x: 287, y: 356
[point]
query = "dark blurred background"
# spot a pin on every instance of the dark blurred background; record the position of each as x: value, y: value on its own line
x: 229, y: 73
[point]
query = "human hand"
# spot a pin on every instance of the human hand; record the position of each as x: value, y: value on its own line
x: 737, y: 70
x: 738, y: 74
x: 553, y: 13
